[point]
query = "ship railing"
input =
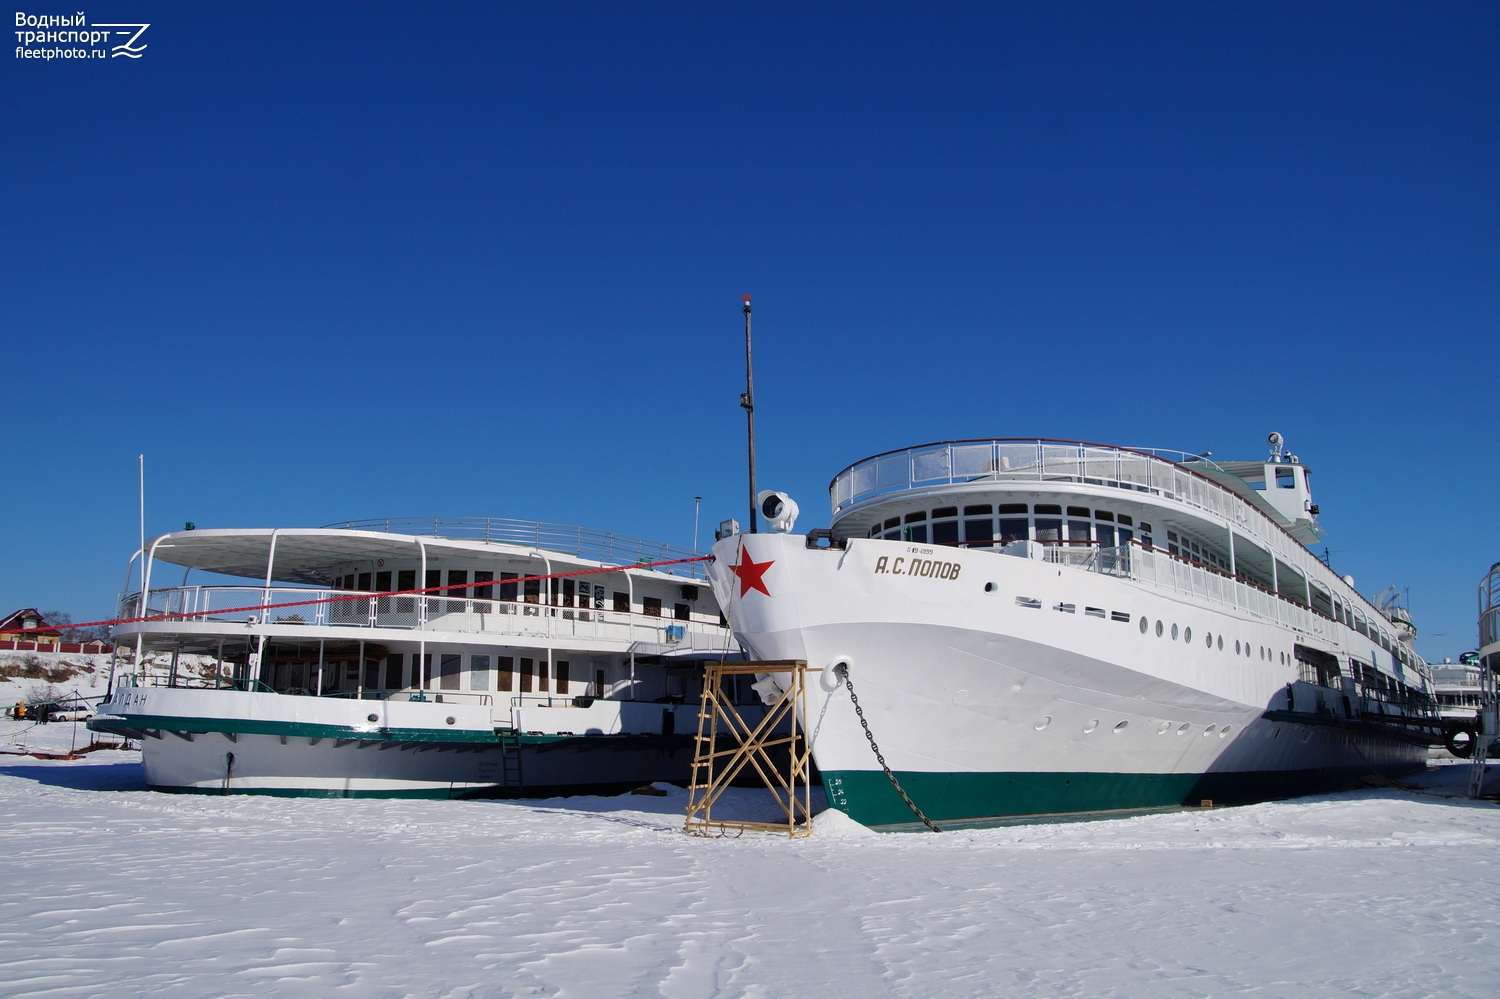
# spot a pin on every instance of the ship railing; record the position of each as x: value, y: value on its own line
x: 237, y: 605
x: 1166, y: 571
x: 597, y: 546
x: 436, y: 696
x: 1489, y: 610
x: 1157, y: 471
x: 192, y: 681
x: 1110, y: 561
x: 1169, y: 572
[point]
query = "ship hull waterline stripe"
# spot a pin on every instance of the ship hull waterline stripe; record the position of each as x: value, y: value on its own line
x: 133, y: 726
x: 867, y: 796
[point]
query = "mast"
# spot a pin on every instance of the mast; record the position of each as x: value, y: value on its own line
x: 747, y: 402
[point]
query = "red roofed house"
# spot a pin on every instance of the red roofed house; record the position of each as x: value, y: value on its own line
x: 27, y: 619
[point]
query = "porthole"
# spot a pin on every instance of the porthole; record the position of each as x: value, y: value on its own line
x: 990, y: 587
x: 1236, y: 646
x: 1184, y: 728
x: 1223, y: 731
x: 1091, y: 726
x: 1144, y: 626
x: 1174, y: 632
x: 1043, y: 722
x: 1208, y: 731
x: 1164, y: 728
x: 1159, y: 629
x: 1121, y: 726
x: 1208, y: 639
x: 1187, y: 634
x: 1221, y: 643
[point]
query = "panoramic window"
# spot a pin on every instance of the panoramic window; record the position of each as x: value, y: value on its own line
x: 1013, y: 523
x: 945, y: 525
x: 458, y: 576
x: 1104, y: 528
x: 1080, y: 527
x: 1048, y: 522
x: 979, y: 526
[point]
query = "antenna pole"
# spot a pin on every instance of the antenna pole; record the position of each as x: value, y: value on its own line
x: 747, y: 402
x: 697, y: 506
x: 140, y: 460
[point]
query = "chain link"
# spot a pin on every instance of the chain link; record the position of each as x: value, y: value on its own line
x: 842, y: 669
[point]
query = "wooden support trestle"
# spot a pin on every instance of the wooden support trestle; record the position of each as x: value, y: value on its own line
x: 728, y: 742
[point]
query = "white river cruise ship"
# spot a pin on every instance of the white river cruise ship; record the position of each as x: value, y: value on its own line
x: 418, y: 657
x: 1033, y: 627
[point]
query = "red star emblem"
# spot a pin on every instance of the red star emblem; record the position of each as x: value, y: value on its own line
x: 752, y: 573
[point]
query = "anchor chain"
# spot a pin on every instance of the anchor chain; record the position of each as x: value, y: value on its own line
x: 842, y: 669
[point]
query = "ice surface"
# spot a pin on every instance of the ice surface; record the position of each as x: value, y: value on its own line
x: 113, y: 888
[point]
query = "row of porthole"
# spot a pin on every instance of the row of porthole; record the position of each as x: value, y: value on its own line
x: 1208, y: 640
x: 1240, y: 648
x: 1093, y: 726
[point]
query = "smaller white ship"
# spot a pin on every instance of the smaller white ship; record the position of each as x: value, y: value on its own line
x: 1458, y: 688
x: 434, y: 658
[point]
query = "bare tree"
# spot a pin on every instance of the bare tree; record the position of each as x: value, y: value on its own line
x: 63, y: 622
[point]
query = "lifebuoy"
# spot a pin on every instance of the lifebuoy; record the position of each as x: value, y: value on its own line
x: 1463, y: 747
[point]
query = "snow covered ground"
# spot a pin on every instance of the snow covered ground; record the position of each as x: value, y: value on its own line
x: 115, y: 889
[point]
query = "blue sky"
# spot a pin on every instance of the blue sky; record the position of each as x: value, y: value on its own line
x: 332, y: 261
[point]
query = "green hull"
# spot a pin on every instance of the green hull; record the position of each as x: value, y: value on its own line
x: 868, y: 798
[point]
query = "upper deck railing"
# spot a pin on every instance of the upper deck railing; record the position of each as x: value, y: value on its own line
x: 599, y: 546
x: 1489, y: 610
x: 1151, y: 470
x: 286, y: 610
x: 1155, y: 471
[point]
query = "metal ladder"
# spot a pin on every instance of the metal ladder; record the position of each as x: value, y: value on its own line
x: 510, y: 759
x: 1489, y: 729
